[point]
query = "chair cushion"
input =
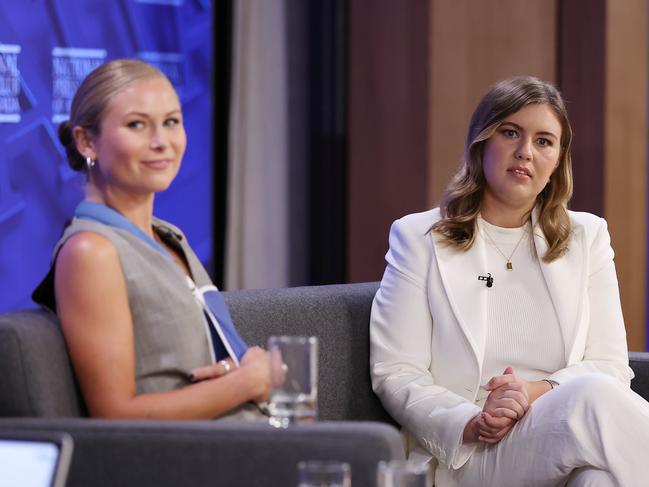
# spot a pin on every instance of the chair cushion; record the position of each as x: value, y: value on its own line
x: 339, y: 315
x: 36, y: 377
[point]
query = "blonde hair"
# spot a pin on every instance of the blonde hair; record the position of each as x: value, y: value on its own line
x: 460, y: 204
x: 92, y: 97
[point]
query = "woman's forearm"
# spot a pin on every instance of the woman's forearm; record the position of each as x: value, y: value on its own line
x: 203, y: 400
x: 536, y: 389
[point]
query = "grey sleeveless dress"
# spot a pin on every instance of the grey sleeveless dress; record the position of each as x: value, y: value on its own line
x: 170, y: 332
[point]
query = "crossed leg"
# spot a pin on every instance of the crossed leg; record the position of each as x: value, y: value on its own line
x: 592, y: 423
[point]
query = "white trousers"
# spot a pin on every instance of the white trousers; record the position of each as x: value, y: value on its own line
x: 590, y: 431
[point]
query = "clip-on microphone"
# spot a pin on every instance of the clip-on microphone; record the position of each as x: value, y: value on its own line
x: 488, y: 278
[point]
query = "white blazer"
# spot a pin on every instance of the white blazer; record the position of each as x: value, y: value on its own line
x: 427, y: 328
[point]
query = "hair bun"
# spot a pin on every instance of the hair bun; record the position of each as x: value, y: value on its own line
x: 75, y: 159
x: 65, y: 133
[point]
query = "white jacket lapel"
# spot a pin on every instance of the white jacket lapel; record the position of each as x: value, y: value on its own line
x: 565, y: 280
x: 466, y: 294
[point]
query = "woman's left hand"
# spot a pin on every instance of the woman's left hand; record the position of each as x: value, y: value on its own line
x: 213, y: 371
x: 509, y: 380
x: 508, y: 394
x: 507, y: 402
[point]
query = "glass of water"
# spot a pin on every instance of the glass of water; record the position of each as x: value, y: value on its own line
x: 294, y: 375
x: 402, y: 473
x: 324, y: 474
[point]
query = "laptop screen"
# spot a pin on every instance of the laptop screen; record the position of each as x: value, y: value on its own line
x: 34, y: 459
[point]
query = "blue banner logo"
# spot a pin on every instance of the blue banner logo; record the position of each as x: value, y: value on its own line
x: 69, y: 67
x: 9, y: 83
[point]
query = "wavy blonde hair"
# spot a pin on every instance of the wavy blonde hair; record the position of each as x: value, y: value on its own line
x: 462, y: 198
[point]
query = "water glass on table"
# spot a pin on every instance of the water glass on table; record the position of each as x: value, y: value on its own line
x: 402, y: 473
x: 324, y: 474
x: 294, y: 377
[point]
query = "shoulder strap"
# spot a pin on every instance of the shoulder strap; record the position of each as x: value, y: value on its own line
x: 89, y: 210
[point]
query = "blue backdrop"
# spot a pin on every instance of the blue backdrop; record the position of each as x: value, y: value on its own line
x: 46, y: 49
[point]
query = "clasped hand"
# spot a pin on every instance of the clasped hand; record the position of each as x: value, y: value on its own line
x: 507, y: 402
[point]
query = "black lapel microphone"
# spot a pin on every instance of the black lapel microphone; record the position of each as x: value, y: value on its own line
x: 488, y: 278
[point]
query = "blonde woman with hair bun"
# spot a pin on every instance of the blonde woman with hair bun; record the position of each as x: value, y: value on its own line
x: 148, y: 334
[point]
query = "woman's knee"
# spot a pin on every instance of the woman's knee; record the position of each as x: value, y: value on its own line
x: 590, y: 477
x: 593, y: 395
x: 574, y: 397
x: 593, y: 385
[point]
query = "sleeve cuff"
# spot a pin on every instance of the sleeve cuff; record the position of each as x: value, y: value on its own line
x: 462, y: 452
x: 462, y: 455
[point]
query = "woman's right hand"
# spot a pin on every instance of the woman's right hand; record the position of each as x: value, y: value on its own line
x: 508, y: 396
x: 507, y: 403
x: 486, y: 429
x: 255, y: 364
x: 491, y: 429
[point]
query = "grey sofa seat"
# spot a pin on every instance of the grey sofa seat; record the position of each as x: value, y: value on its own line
x: 36, y: 377
x: 41, y: 382
x: 339, y: 316
x: 38, y: 391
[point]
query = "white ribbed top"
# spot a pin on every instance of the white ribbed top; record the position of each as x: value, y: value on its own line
x: 522, y: 326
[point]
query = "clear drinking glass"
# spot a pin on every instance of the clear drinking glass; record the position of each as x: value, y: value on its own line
x: 324, y: 474
x: 402, y: 473
x: 294, y: 374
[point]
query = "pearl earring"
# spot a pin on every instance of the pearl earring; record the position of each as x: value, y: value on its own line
x: 90, y: 163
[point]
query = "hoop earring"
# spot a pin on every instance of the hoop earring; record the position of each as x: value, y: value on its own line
x: 90, y: 163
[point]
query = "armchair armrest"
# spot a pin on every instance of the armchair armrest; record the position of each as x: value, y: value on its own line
x: 639, y: 362
x: 208, y: 453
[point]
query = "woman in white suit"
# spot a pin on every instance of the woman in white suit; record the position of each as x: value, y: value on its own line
x: 497, y: 337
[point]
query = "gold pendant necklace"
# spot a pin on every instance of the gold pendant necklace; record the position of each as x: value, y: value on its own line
x: 508, y: 265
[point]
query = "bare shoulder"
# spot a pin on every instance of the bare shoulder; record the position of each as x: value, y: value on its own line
x: 93, y: 308
x: 88, y: 272
x: 87, y: 250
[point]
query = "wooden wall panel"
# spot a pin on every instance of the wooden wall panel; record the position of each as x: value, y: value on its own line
x: 402, y: 156
x: 582, y: 81
x: 388, y: 93
x: 626, y: 156
x: 475, y: 43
